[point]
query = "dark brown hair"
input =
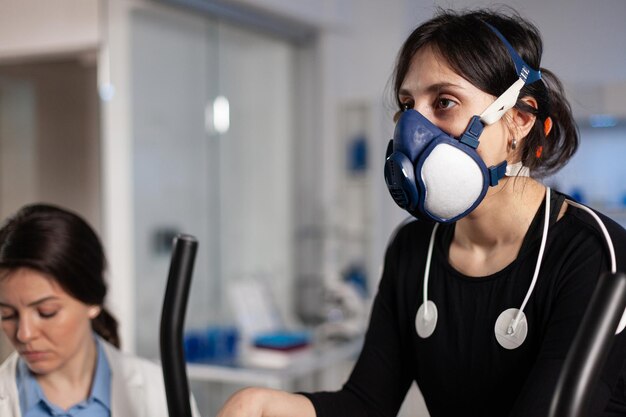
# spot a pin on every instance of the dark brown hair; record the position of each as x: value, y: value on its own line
x: 62, y: 245
x: 475, y: 52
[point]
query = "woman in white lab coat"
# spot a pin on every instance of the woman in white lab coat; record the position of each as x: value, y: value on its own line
x: 52, y: 293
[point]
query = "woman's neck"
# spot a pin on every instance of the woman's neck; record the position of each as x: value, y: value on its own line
x: 71, y: 384
x: 490, y: 237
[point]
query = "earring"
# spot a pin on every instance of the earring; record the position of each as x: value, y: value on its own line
x: 514, y: 144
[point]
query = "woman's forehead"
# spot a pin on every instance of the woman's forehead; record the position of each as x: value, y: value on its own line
x: 429, y: 69
x: 28, y: 281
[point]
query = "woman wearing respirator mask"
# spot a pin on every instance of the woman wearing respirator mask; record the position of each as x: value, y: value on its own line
x: 482, y: 295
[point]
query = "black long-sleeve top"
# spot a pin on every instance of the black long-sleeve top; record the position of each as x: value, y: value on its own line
x: 461, y: 369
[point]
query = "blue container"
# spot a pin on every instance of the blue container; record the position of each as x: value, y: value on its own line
x: 213, y: 344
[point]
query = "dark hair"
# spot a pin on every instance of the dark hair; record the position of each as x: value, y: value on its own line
x: 475, y: 52
x: 62, y: 245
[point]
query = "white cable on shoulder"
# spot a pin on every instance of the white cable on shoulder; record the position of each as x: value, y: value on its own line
x: 609, y: 242
x: 429, y: 256
x: 544, y: 239
x: 604, y: 231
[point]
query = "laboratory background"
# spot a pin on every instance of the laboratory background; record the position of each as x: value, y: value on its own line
x: 260, y: 128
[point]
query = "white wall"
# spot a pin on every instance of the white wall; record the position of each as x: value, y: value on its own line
x: 17, y: 155
x: 49, y: 137
x: 31, y: 28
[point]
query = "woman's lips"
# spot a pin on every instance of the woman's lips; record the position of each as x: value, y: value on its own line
x: 33, y: 355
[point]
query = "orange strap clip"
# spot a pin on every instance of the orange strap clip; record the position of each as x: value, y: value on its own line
x: 547, y: 125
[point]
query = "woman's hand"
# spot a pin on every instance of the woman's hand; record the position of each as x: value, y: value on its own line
x: 265, y: 402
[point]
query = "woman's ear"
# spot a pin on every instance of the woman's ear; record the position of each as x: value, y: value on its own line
x: 523, y: 121
x: 94, y: 311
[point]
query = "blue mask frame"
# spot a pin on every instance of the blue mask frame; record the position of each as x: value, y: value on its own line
x: 414, y: 139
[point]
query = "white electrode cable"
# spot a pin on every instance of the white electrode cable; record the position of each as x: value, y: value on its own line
x: 426, y: 316
x: 609, y: 242
x: 607, y: 237
x: 542, y: 248
x: 429, y: 256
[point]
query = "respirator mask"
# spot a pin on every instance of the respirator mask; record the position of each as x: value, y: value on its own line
x: 438, y: 177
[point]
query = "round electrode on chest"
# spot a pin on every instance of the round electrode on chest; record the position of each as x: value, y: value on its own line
x: 426, y: 319
x: 511, y: 333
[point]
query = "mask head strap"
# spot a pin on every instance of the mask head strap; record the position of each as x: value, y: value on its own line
x: 507, y: 100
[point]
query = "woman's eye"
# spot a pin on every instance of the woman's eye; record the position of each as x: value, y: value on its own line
x: 445, y: 103
x: 9, y: 316
x: 407, y: 105
x: 47, y: 314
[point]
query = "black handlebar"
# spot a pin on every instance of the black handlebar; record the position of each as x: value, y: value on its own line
x: 590, y: 348
x: 172, y: 323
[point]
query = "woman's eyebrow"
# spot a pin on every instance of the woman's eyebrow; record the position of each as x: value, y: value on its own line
x: 34, y: 303
x: 433, y: 88
x: 42, y: 300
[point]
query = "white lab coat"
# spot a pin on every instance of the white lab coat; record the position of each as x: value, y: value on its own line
x: 137, y: 388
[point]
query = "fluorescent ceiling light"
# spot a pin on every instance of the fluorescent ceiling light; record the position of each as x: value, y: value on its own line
x: 221, y: 114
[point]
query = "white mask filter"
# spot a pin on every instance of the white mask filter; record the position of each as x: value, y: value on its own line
x: 453, y: 181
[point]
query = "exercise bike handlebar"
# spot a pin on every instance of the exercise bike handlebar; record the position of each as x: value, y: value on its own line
x: 172, y: 324
x: 590, y: 348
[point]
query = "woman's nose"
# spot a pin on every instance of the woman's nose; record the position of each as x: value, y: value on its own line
x: 26, y: 330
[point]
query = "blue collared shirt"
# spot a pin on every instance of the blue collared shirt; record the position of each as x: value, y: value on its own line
x: 33, y: 402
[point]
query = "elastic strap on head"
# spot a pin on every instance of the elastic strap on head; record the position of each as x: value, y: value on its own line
x: 507, y: 100
x: 504, y: 103
x: 524, y: 71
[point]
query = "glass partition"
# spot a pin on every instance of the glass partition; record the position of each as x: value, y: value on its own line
x: 212, y: 145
